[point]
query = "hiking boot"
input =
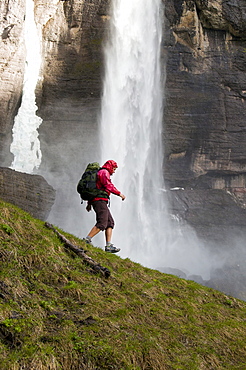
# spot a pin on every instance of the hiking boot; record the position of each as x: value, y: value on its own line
x: 87, y: 240
x: 111, y: 248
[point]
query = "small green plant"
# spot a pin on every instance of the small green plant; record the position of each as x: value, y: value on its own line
x: 46, y: 305
x: 10, y: 323
x: 229, y: 302
x: 79, y: 344
x: 71, y: 285
x: 7, y: 322
x: 7, y: 229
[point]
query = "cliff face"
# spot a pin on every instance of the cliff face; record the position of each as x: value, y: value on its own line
x: 73, y: 32
x: 205, y: 131
x: 206, y: 89
x: 12, y: 64
x: 204, y: 128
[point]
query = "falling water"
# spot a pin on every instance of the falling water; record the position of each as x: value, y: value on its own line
x: 131, y: 134
x: 25, y: 145
x: 131, y: 124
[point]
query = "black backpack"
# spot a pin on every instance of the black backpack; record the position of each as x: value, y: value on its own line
x: 87, y: 184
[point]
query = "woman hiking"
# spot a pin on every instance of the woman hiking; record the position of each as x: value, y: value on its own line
x: 104, y: 219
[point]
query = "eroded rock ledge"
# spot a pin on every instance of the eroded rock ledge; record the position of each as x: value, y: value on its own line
x: 32, y: 193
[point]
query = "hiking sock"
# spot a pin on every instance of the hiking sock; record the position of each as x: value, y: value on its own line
x: 88, y: 238
x: 108, y: 244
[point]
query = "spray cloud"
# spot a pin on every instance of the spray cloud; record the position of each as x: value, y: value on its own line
x: 131, y: 132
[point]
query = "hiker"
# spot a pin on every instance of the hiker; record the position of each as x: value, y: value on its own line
x: 104, y: 219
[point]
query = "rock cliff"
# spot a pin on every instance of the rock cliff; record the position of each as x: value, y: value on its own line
x: 205, y: 131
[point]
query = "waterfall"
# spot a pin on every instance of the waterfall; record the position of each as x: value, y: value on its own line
x: 131, y: 125
x: 131, y: 134
x: 25, y: 145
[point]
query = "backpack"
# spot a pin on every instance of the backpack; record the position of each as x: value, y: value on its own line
x: 87, y: 184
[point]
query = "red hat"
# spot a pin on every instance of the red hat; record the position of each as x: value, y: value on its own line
x: 110, y: 166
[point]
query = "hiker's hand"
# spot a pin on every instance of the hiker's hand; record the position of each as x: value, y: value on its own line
x: 88, y: 207
x: 122, y: 196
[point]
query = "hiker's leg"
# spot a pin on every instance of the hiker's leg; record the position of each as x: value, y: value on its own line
x: 94, y: 231
x: 109, y: 247
x: 101, y: 209
x: 109, y: 229
x: 108, y: 234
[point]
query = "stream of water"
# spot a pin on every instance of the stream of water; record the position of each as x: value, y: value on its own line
x: 25, y: 145
x: 131, y: 124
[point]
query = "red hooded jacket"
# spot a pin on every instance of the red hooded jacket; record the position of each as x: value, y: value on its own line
x: 104, y: 181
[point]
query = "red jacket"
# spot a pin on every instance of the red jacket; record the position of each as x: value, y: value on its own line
x: 104, y: 181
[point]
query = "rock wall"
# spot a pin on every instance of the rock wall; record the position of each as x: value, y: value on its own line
x: 73, y: 32
x: 205, y: 132
x: 12, y: 64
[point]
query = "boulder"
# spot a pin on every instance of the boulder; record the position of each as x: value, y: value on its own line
x: 32, y: 193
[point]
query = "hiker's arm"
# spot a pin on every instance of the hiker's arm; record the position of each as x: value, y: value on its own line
x: 122, y: 196
x: 107, y: 184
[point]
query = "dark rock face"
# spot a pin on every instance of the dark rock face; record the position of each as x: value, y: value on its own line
x: 32, y: 193
x: 74, y: 67
x: 228, y: 15
x: 205, y: 132
x: 230, y: 279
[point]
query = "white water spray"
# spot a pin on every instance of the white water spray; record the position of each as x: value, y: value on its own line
x: 131, y: 122
x: 131, y: 134
x: 25, y: 145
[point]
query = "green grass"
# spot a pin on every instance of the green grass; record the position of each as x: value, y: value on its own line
x: 55, y: 313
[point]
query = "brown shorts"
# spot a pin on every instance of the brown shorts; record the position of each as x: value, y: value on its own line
x: 104, y: 219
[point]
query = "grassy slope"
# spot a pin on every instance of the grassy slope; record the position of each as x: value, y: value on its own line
x: 56, y: 314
